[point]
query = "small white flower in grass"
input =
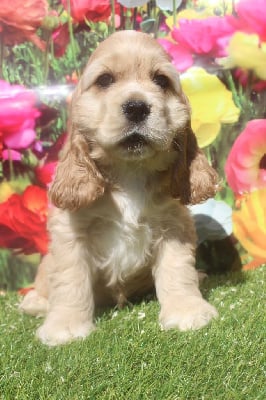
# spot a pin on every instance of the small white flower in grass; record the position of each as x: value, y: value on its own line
x: 15, y: 374
x: 143, y: 365
x: 232, y: 306
x: 115, y: 314
x: 62, y: 379
x: 141, y: 315
x: 48, y: 367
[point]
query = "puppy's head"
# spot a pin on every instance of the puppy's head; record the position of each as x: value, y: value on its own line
x: 128, y: 108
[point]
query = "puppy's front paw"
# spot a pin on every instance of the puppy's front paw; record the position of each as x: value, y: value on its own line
x: 55, y: 332
x: 188, y: 313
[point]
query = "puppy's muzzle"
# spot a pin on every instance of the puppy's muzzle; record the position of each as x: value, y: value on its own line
x: 136, y: 110
x: 134, y: 142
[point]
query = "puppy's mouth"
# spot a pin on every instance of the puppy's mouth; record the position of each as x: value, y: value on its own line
x: 134, y: 143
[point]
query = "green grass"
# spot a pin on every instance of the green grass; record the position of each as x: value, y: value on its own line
x: 128, y: 357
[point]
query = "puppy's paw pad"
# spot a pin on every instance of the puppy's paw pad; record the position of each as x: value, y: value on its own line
x: 194, y: 315
x: 54, y: 334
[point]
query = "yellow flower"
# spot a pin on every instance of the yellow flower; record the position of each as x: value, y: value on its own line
x: 246, y: 51
x: 188, y: 13
x: 211, y: 104
x: 205, y: 8
x: 249, y: 224
x: 216, y: 7
x: 5, y: 191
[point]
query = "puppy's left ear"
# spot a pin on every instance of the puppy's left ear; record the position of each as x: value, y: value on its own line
x: 193, y: 179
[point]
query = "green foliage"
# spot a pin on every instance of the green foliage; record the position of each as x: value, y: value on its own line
x: 16, y: 271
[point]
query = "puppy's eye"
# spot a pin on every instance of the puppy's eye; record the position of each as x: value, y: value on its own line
x: 162, y: 81
x: 105, y: 80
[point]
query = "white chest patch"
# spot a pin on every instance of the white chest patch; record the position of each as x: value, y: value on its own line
x: 121, y: 240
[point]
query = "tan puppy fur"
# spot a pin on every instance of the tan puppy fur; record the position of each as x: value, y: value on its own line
x: 120, y: 225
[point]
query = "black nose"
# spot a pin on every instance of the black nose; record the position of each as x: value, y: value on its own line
x: 135, y: 110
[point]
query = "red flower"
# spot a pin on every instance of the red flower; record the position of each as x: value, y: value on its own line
x: 44, y: 173
x: 60, y: 39
x: 19, y: 20
x: 92, y: 10
x: 23, y: 221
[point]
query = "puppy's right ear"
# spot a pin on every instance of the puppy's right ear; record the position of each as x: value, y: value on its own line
x: 77, y: 182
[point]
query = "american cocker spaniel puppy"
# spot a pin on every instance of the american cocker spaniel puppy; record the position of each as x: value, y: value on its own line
x: 120, y: 224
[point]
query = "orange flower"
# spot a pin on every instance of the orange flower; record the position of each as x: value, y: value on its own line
x: 19, y: 20
x: 249, y: 224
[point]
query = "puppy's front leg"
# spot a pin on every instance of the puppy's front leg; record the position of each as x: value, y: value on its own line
x: 176, y: 282
x: 71, y: 303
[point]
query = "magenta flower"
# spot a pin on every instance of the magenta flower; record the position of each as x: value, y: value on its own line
x: 246, y: 164
x: 181, y: 56
x: 251, y: 17
x: 17, y: 119
x: 198, y: 37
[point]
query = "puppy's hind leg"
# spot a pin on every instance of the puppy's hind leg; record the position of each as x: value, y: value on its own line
x: 71, y: 302
x: 176, y: 282
x: 35, y: 302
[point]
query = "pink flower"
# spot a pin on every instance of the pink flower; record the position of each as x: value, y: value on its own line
x: 182, y: 57
x: 251, y: 17
x: 198, y: 37
x: 203, y: 36
x: 246, y: 164
x: 17, y: 119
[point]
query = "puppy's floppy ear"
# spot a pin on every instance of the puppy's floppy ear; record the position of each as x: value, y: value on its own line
x: 77, y: 182
x: 193, y: 179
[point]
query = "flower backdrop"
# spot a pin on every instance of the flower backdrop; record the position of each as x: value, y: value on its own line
x: 219, y: 48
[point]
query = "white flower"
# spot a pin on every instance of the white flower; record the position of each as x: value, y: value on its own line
x: 141, y: 315
x: 132, y: 3
x: 213, y: 220
x: 168, y: 4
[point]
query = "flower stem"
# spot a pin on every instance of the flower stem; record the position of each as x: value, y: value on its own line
x: 46, y: 57
x: 174, y: 12
x: 233, y: 89
x: 112, y: 28
x: 2, y: 55
x: 72, y: 39
x: 11, y: 167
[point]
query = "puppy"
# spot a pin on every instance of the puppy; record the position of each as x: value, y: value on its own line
x: 119, y: 223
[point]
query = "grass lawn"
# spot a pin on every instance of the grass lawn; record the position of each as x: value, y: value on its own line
x: 128, y: 357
